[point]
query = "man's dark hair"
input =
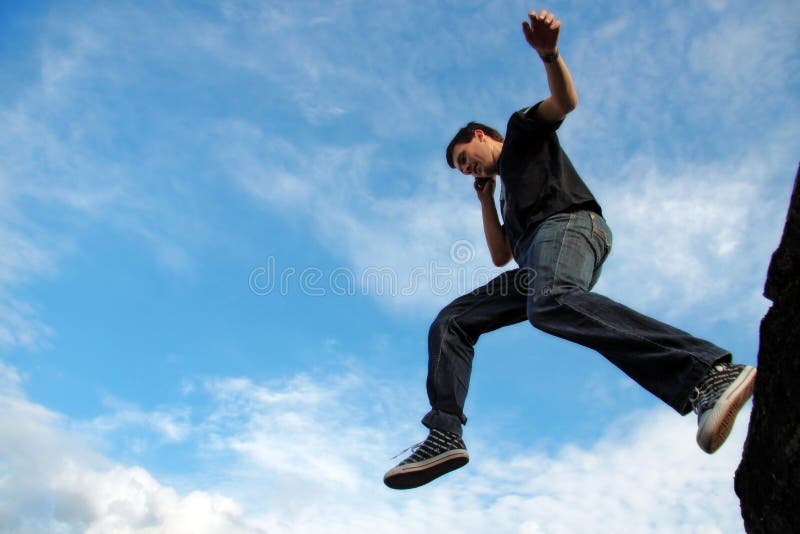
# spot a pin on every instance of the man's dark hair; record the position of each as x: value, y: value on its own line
x: 466, y: 134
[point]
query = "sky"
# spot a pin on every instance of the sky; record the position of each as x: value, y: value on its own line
x: 227, y: 226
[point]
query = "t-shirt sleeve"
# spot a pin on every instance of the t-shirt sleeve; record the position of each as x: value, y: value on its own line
x: 526, y: 120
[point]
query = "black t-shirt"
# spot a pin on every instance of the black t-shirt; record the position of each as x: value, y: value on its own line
x: 538, y: 180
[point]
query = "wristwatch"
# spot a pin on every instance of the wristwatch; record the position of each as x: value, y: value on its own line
x: 550, y: 58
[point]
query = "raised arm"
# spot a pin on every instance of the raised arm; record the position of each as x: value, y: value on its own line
x: 542, y: 34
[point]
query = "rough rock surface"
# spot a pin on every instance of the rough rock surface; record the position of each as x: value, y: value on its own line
x: 768, y: 478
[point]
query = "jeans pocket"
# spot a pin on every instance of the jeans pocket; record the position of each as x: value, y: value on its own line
x: 602, y: 233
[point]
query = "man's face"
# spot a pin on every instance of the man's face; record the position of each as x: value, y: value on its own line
x: 475, y: 158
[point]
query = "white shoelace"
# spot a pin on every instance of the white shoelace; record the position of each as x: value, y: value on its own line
x: 412, y: 448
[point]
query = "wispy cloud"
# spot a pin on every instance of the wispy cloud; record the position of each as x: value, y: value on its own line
x: 28, y: 253
x: 168, y: 425
x: 20, y: 325
x: 335, y: 194
x: 369, y: 79
x: 24, y: 258
x: 687, y: 233
x: 698, y: 237
x: 688, y: 150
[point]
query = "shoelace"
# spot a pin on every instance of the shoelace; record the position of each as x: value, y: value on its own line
x: 412, y: 448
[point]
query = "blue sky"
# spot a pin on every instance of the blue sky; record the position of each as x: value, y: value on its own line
x: 227, y: 226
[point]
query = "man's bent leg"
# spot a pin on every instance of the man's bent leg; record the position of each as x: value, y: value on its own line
x: 452, y: 338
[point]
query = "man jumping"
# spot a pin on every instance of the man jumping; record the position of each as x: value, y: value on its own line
x: 554, y: 229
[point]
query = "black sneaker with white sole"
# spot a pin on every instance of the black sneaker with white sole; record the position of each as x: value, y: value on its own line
x: 717, y: 401
x: 439, y: 454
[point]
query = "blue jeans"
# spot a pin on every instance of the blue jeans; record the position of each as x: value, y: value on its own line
x: 552, y: 290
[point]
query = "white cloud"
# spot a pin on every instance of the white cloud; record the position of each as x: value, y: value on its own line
x: 619, y: 481
x: 52, y: 481
x: 23, y: 257
x: 262, y: 165
x: 694, y: 238
x: 69, y: 54
x: 129, y: 499
x: 32, y: 157
x: 406, y: 237
x: 169, y: 425
x: 26, y: 256
x: 20, y: 325
x: 309, y: 437
x: 307, y: 455
x: 50, y: 165
x: 754, y: 52
x: 300, y: 431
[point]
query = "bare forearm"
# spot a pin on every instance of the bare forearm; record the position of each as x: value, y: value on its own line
x: 496, y: 239
x: 562, y: 88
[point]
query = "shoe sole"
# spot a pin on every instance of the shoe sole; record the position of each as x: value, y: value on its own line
x: 418, y: 474
x: 718, y: 423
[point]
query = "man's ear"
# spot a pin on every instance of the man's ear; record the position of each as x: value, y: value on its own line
x: 480, y: 135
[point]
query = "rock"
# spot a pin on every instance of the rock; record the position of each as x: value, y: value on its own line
x: 768, y: 478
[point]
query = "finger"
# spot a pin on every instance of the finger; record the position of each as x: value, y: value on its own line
x: 526, y: 29
x: 530, y: 36
x: 547, y: 20
x: 555, y: 25
x: 526, y: 32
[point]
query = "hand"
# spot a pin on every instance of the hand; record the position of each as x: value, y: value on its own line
x: 542, y: 32
x: 485, y: 188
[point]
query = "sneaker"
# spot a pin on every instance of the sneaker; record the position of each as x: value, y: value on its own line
x: 717, y: 401
x: 439, y: 454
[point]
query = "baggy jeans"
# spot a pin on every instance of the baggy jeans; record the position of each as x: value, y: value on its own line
x: 552, y: 290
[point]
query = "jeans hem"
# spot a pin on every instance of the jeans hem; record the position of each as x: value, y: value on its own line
x: 681, y: 403
x: 444, y: 421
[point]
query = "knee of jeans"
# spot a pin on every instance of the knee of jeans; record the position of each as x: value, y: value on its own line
x: 447, y: 324
x: 444, y: 321
x: 441, y: 323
